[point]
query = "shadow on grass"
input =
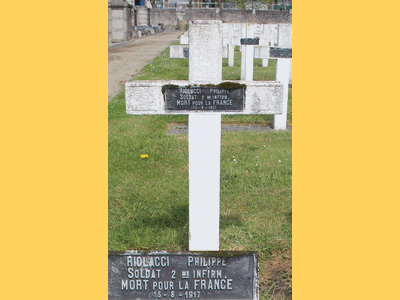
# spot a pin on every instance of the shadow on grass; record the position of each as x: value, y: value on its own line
x: 176, y: 218
x: 288, y: 216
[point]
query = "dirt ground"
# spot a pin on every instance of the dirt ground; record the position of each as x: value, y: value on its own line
x: 125, y: 60
x: 275, y: 277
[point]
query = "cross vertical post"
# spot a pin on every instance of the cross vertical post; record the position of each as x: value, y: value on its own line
x: 205, y: 65
x: 283, y: 71
x: 247, y: 61
x: 231, y: 54
x: 282, y: 75
x: 265, y: 61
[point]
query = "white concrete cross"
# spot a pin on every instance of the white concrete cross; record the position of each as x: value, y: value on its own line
x: 247, y: 58
x: 284, y: 39
x: 204, y: 101
x: 231, y: 54
x: 282, y: 74
x: 284, y: 71
x: 184, y: 39
x: 283, y: 64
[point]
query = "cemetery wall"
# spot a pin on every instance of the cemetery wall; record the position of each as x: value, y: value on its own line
x: 261, y: 16
x: 143, y: 16
x: 166, y: 16
x: 170, y: 17
x: 109, y: 26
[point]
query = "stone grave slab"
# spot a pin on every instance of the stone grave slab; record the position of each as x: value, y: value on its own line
x: 160, y: 275
x: 179, y: 51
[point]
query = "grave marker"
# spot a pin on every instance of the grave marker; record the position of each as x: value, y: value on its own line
x: 247, y: 46
x: 184, y: 39
x: 231, y: 54
x: 283, y: 69
x: 283, y: 60
x: 285, y: 40
x: 179, y: 51
x: 267, y: 34
x: 157, y: 275
x: 264, y: 44
x: 204, y: 97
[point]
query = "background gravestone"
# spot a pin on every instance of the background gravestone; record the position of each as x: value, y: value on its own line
x: 285, y: 41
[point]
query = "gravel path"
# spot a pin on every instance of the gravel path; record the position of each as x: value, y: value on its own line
x: 125, y: 60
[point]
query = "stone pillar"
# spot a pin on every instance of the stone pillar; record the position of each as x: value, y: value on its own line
x: 121, y: 21
x: 143, y: 16
x: 109, y: 26
x: 180, y: 17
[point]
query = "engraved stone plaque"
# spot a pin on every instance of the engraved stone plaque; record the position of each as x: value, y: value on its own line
x: 248, y: 41
x: 187, y: 98
x: 161, y: 275
x: 186, y: 52
x: 276, y: 52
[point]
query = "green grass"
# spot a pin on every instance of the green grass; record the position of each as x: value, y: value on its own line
x: 163, y: 67
x: 148, y: 198
x: 256, y: 191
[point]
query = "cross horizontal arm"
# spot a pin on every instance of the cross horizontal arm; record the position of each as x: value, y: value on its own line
x: 147, y: 97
